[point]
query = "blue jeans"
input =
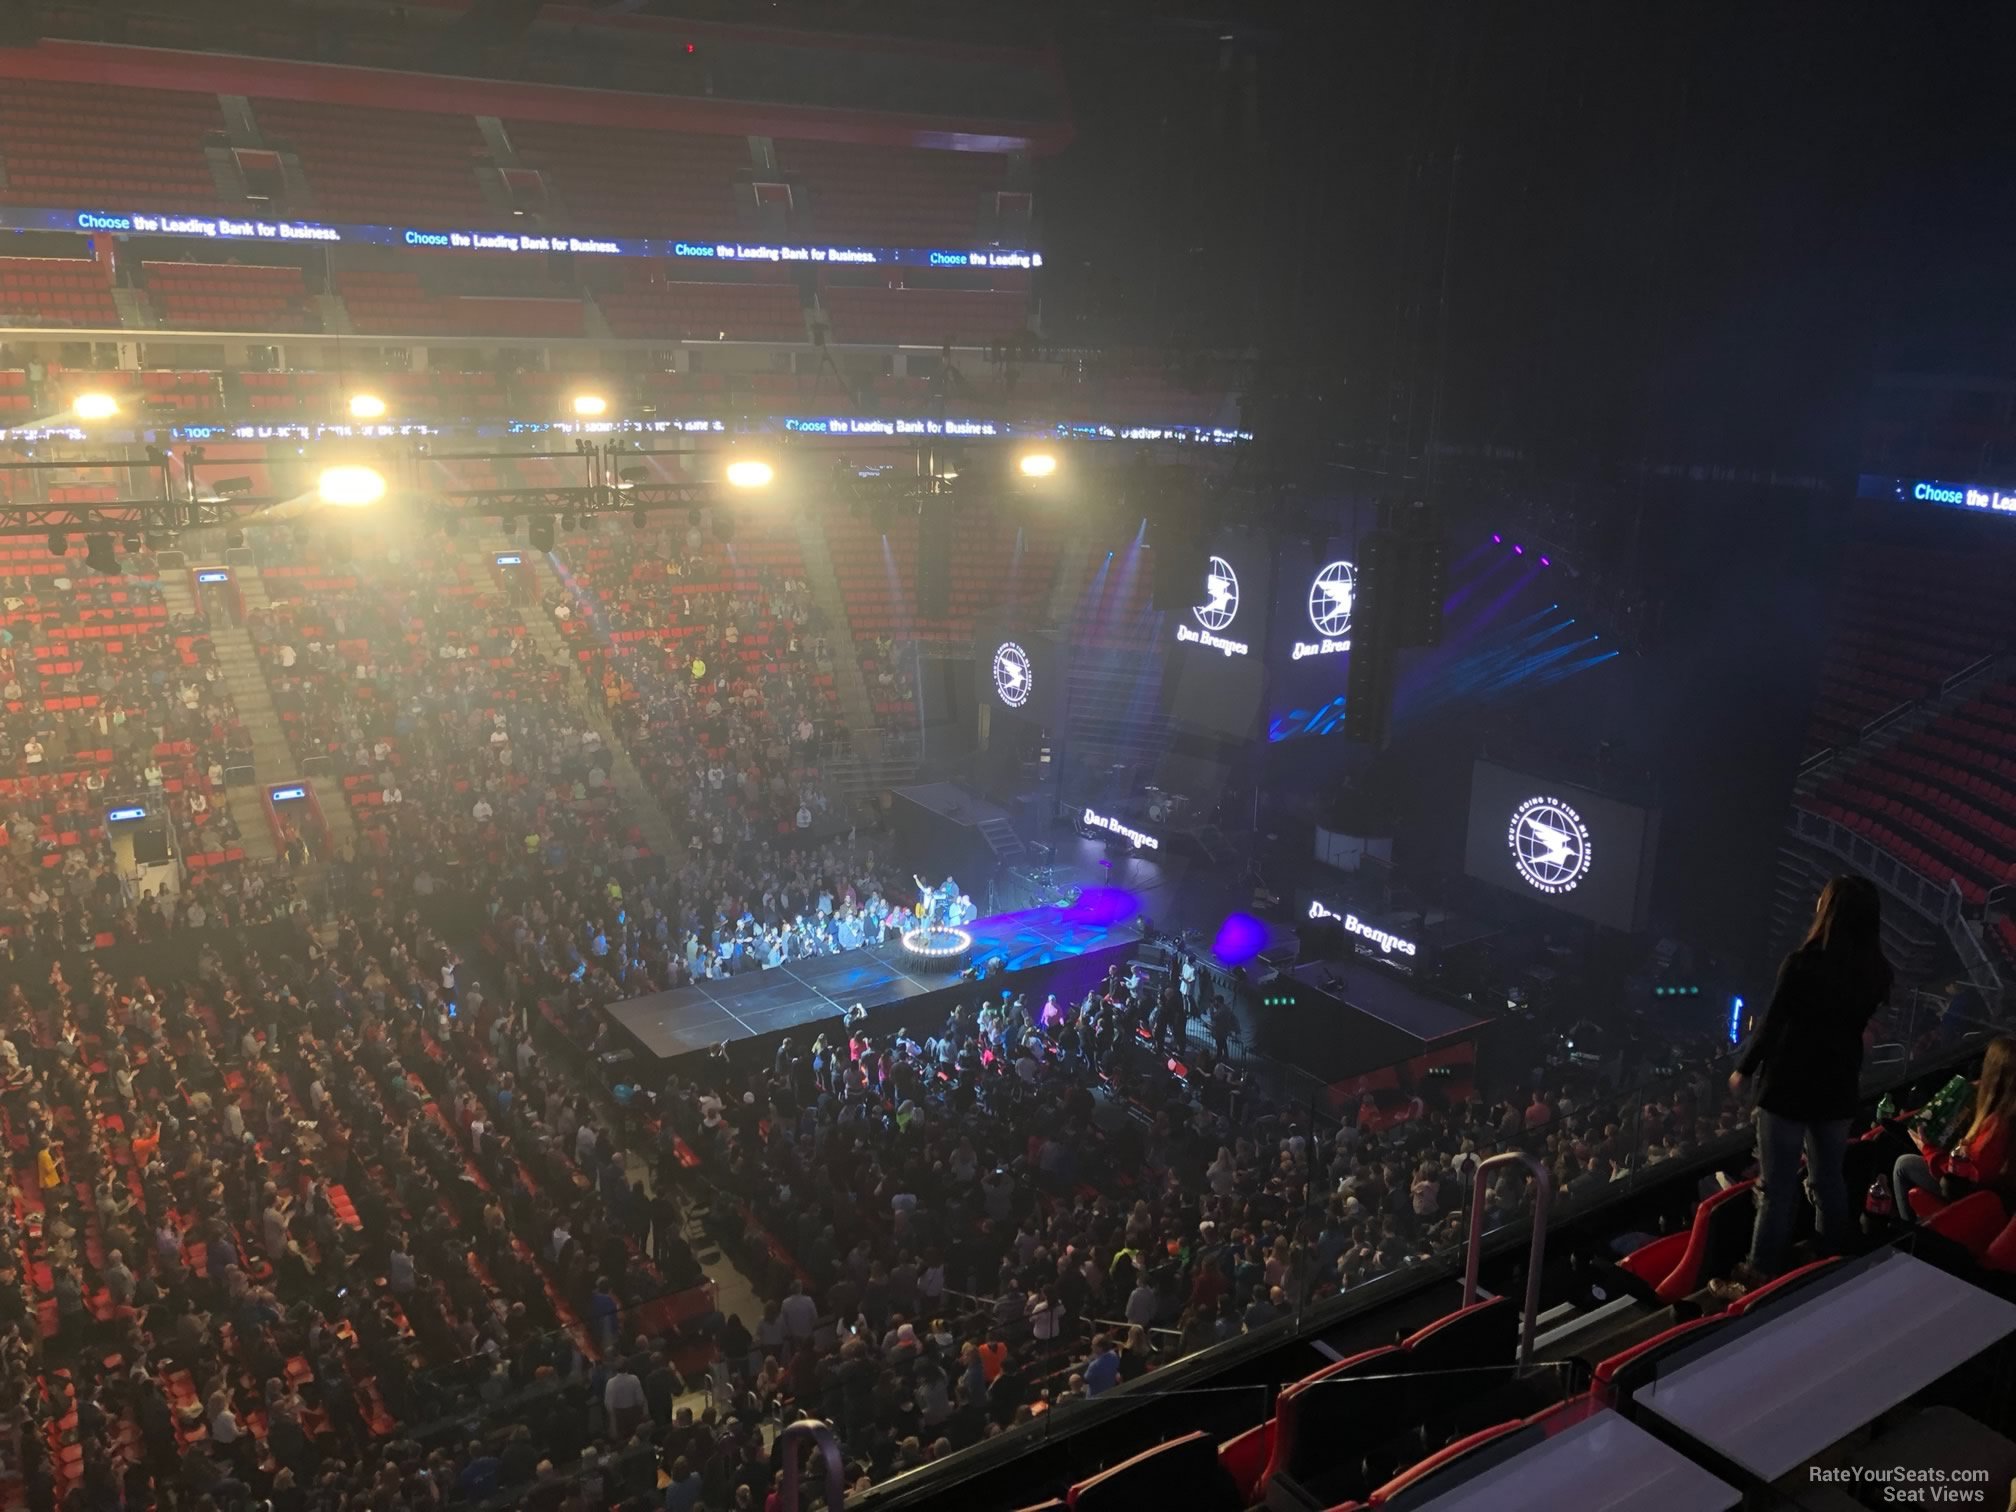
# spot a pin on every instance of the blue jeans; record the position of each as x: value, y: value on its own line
x: 1780, y: 1141
x: 1912, y: 1173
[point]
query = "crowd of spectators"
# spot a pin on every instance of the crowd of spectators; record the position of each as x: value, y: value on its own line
x: 106, y: 698
x: 348, y: 1226
x: 1023, y: 1207
x: 711, y: 662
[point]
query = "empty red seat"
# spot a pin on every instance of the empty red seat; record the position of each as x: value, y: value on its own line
x: 1679, y: 1264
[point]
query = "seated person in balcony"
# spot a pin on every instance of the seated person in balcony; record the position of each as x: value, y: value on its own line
x: 1980, y: 1158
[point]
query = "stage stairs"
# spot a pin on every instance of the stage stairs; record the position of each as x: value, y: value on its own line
x: 1002, y: 840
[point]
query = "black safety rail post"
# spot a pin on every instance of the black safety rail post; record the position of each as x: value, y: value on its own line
x: 1543, y: 1196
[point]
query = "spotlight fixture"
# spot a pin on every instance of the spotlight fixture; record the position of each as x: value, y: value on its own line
x: 100, y: 557
x: 95, y: 407
x: 351, y: 487
x: 1518, y: 551
x: 1546, y: 561
x: 510, y: 526
x: 366, y: 407
x: 59, y: 543
x: 589, y: 406
x: 567, y: 522
x: 1497, y: 539
x: 539, y: 532
x: 1038, y: 464
x: 750, y: 472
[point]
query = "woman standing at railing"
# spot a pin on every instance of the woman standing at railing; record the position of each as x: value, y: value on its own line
x: 1806, y: 1059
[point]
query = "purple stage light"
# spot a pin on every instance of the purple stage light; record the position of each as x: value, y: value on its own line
x: 1497, y: 539
x: 1240, y: 938
x: 1546, y: 562
x: 1103, y: 906
x: 1518, y: 551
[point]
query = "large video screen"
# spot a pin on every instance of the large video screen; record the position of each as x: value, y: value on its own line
x: 1561, y: 845
x: 1309, y: 657
x: 1018, y: 669
x: 1219, y: 644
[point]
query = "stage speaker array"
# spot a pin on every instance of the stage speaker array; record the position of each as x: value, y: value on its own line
x: 1176, y: 557
x: 1402, y: 578
x: 934, y: 560
x: 1375, y: 632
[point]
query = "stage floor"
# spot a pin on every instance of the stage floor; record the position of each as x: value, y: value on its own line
x: 693, y: 1018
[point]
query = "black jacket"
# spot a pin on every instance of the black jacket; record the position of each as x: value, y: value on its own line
x: 1807, y: 1052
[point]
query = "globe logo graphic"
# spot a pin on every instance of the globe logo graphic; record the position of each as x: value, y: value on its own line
x: 1331, y: 599
x: 1013, y: 679
x: 1550, y: 845
x: 1221, y: 596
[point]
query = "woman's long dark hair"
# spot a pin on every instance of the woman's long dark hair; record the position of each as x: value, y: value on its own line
x: 1848, y: 927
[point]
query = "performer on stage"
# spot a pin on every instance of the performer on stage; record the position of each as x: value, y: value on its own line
x: 936, y: 905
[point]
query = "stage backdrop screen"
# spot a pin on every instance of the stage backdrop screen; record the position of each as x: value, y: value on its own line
x: 1218, y: 646
x: 1309, y: 656
x: 1017, y: 669
x: 1561, y: 845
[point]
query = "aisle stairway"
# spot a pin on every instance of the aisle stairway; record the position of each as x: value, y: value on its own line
x: 273, y: 760
x: 623, y: 773
x: 255, y: 706
x: 848, y: 683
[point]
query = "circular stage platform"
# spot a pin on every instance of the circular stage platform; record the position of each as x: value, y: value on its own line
x: 940, y: 944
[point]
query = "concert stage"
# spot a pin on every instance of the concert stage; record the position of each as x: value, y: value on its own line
x: 1036, y: 944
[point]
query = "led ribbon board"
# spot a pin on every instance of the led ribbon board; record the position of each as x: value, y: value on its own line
x: 1975, y: 498
x: 284, y: 232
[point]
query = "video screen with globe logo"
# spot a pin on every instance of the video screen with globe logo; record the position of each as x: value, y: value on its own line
x: 1221, y: 638
x: 1561, y: 844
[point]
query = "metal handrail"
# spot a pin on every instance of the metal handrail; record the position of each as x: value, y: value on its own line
x: 1543, y: 1195
x: 796, y: 1437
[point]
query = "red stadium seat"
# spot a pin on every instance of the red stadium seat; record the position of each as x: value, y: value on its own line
x: 1679, y: 1264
